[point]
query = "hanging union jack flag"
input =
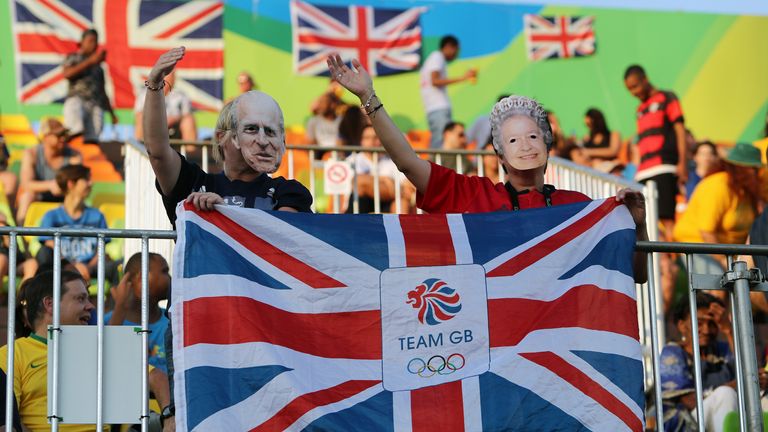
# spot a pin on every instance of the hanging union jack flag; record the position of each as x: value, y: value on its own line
x: 286, y: 321
x: 386, y: 41
x: 559, y: 36
x: 134, y: 33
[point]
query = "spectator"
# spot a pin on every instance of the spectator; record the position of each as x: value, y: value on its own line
x: 661, y: 143
x: 351, y: 126
x: 333, y: 88
x: 40, y: 163
x: 722, y: 207
x: 8, y: 179
x: 612, y: 167
x: 601, y: 144
x: 491, y: 163
x: 522, y: 138
x: 560, y: 144
x: 127, y: 297
x: 717, y: 361
x: 576, y: 154
x: 480, y: 131
x: 323, y: 128
x: 178, y: 109
x: 454, y: 138
x: 387, y: 173
x: 86, y: 98
x: 75, y: 182
x: 245, y: 83
x: 31, y: 353
x: 706, y: 161
x: 434, y: 80
x: 250, y: 138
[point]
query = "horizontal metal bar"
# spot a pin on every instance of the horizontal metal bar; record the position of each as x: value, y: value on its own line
x: 701, y: 248
x: 706, y: 282
x: 82, y: 232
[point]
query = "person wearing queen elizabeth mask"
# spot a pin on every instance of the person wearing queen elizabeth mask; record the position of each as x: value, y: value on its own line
x: 522, y: 138
x: 249, y: 135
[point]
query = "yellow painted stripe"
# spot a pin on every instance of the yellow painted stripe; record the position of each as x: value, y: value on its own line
x: 731, y: 85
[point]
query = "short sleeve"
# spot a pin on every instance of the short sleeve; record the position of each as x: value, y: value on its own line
x: 70, y: 60
x: 189, y: 176
x: 311, y: 129
x: 435, y: 62
x: 673, y: 111
x: 48, y: 221
x: 294, y: 195
x: 185, y: 105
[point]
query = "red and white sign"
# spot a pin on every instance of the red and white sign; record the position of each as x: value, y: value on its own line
x: 338, y: 177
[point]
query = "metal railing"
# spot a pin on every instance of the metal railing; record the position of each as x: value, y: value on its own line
x: 100, y: 234
x: 738, y: 282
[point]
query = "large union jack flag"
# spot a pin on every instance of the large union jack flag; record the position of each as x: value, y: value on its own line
x: 386, y: 41
x: 133, y: 32
x: 278, y: 321
x: 559, y: 36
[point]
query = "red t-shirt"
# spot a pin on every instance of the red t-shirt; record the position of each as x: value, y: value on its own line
x: 450, y: 192
x: 656, y: 139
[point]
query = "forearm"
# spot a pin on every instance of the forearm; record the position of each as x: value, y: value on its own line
x: 75, y: 70
x: 37, y: 186
x: 165, y: 162
x: 158, y: 383
x: 407, y: 161
x: 442, y: 82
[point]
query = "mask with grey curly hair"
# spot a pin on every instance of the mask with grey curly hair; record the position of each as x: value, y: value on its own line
x: 518, y: 105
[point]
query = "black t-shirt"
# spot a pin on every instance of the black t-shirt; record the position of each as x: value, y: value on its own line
x: 15, y: 417
x: 264, y: 193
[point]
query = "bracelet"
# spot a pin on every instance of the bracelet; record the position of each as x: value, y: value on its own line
x: 367, y: 103
x: 159, y: 87
x: 373, y: 111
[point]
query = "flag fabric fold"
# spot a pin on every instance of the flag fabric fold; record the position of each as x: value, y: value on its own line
x: 551, y: 37
x: 503, y: 321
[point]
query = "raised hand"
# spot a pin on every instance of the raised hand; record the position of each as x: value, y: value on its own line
x: 356, y: 80
x: 164, y: 65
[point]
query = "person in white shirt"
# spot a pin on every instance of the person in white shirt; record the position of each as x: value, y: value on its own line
x: 363, y: 165
x: 433, y: 81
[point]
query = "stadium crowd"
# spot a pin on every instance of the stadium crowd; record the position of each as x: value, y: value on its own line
x: 709, y: 192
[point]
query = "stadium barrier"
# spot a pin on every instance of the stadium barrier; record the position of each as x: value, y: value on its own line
x: 738, y: 281
x: 300, y: 163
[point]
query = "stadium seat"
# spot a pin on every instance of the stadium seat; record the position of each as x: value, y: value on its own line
x: 33, y: 218
x: 106, y: 198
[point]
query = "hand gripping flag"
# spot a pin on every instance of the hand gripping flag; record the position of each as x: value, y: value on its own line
x: 134, y: 33
x: 502, y: 321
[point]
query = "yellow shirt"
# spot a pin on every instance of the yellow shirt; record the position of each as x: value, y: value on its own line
x: 716, y: 209
x: 30, y: 384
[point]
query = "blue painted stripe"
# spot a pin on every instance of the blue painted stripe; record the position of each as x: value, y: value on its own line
x: 198, y: 259
x: 211, y: 389
x: 613, y: 252
x: 373, y: 414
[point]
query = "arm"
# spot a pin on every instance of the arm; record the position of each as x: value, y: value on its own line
x: 158, y: 384
x: 609, y: 152
x: 359, y: 82
x: 682, y: 166
x: 72, y: 71
x: 27, y: 174
x: 442, y: 82
x: 386, y: 186
x: 123, y: 297
x: 635, y: 202
x: 165, y: 162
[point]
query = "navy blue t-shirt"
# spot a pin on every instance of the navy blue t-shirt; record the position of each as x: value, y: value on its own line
x: 264, y: 193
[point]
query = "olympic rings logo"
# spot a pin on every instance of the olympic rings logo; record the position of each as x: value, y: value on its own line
x: 436, y: 365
